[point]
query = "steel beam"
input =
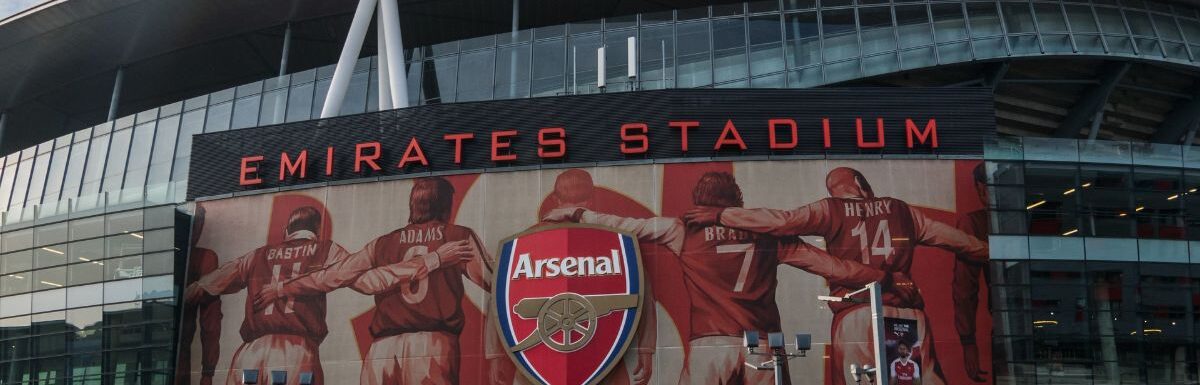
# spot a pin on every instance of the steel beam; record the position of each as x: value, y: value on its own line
x: 1179, y: 120
x: 1093, y: 100
x: 389, y: 19
x: 116, y: 94
x: 287, y: 48
x: 348, y: 58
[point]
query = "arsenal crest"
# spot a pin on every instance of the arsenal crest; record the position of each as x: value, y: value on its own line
x: 568, y: 299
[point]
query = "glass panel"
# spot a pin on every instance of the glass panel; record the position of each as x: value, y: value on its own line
x: 87, y: 251
x: 218, y: 117
x: 125, y: 244
x: 14, y: 283
x: 1066, y: 248
x: 1111, y: 249
x: 124, y: 222
x: 877, y: 33
x: 512, y: 71
x: 475, y: 76
x: 1111, y: 20
x: 87, y: 228
x: 582, y: 63
x: 1167, y: 28
x: 438, y: 84
x: 948, y: 22
x: 1017, y: 17
x: 1004, y: 247
x: 158, y: 240
x: 37, y: 180
x: 54, y: 175
x: 122, y: 291
x: 299, y: 103
x: 766, y: 48
x: 1139, y: 23
x: 21, y: 182
x: 985, y: 21
x: 139, y: 155
x: 913, y: 22
x: 616, y: 59
x: 122, y: 268
x: 694, y: 70
x: 954, y: 52
x: 85, y: 273
x: 189, y: 126
x: 52, y: 278
x: 74, y: 173
x: 656, y: 43
x: 52, y: 255
x: 245, y: 111
x: 729, y: 50
x: 274, y: 104
x: 1157, y: 250
x: 1050, y: 18
x: 841, y: 41
x: 802, y: 32
x: 161, y: 156
x: 356, y: 93
x: 118, y: 153
x: 1081, y: 18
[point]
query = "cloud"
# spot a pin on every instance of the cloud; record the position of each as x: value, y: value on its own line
x: 12, y: 7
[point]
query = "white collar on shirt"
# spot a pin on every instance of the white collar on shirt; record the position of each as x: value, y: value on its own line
x: 302, y: 234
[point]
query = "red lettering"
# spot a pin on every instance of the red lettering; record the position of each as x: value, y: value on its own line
x: 360, y: 158
x: 825, y: 129
x: 635, y: 133
x: 730, y: 135
x: 287, y: 167
x: 878, y: 143
x: 683, y: 127
x: 498, y: 145
x: 458, y: 144
x: 552, y: 137
x: 247, y: 169
x: 930, y: 132
x: 329, y: 160
x: 772, y: 124
x: 413, y: 154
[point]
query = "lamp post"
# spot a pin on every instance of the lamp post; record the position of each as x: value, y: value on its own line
x: 877, y: 374
x: 778, y: 353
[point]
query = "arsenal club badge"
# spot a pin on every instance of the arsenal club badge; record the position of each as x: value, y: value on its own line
x: 568, y: 299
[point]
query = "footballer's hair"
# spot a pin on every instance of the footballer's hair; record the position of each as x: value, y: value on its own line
x: 304, y: 218
x: 980, y: 174
x: 717, y: 189
x: 574, y: 186
x: 431, y: 199
x: 845, y: 182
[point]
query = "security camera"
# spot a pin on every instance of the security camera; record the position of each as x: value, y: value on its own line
x: 750, y: 339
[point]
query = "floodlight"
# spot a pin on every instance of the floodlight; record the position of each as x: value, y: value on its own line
x: 750, y: 339
x: 775, y: 340
x: 803, y: 342
x: 249, y: 376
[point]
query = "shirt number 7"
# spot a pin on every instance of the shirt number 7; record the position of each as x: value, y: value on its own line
x: 747, y: 250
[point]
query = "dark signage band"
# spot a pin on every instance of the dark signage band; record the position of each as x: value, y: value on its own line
x: 708, y: 123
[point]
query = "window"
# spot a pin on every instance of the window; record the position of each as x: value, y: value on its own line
x: 695, y: 69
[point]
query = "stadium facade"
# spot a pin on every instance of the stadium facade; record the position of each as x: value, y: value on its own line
x: 1058, y: 132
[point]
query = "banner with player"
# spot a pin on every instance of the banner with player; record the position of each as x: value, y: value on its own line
x: 643, y: 274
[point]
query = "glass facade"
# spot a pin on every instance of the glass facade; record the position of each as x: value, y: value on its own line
x: 1094, y: 262
x: 89, y: 299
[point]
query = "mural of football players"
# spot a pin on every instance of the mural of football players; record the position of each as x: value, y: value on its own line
x: 574, y: 189
x: 415, y: 274
x: 206, y: 312
x: 730, y: 276
x: 966, y: 279
x: 286, y: 331
x: 881, y: 232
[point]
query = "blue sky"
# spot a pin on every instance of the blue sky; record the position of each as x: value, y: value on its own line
x: 11, y: 7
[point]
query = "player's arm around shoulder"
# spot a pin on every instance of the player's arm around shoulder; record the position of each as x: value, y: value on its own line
x: 810, y: 219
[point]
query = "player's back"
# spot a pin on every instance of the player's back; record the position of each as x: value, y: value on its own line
x: 430, y: 304
x: 273, y: 264
x: 731, y: 280
x: 878, y: 232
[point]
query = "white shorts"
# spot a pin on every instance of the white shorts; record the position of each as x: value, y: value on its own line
x: 853, y: 343
x: 429, y: 358
x: 291, y: 353
x: 720, y: 360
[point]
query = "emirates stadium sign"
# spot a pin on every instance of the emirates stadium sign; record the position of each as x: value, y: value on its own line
x: 568, y: 300
x: 603, y: 128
